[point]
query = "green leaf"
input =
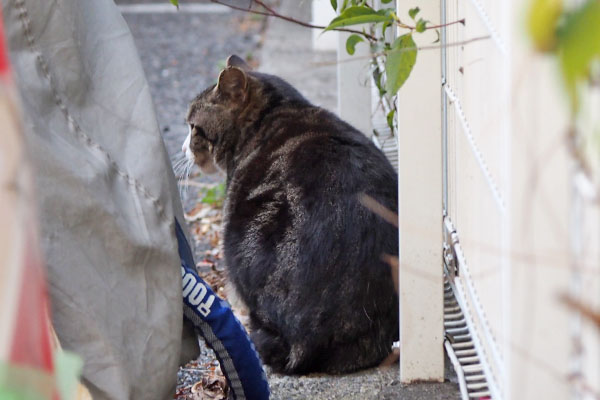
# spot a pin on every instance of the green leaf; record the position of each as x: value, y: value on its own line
x: 579, y: 46
x: 413, y: 12
x: 400, y: 62
x: 390, y: 119
x: 377, y: 76
x: 386, y: 1
x: 351, y: 43
x: 542, y: 22
x: 175, y: 3
x: 421, y: 25
x: 334, y: 5
x: 386, y: 25
x: 358, y: 15
x: 214, y: 196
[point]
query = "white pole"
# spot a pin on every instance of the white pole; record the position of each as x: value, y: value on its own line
x: 354, y: 84
x: 420, y: 213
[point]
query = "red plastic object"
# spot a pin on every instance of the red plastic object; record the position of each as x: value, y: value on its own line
x: 4, y: 65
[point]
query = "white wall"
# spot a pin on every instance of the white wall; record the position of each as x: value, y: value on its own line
x: 528, y: 235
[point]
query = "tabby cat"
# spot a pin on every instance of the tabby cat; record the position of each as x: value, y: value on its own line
x: 302, y: 252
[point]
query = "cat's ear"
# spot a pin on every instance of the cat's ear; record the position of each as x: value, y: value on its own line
x: 233, y: 83
x: 235, y: 61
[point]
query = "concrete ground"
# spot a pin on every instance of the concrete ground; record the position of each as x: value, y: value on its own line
x: 181, y: 54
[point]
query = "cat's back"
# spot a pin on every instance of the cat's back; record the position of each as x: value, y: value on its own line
x: 305, y: 180
x: 312, y: 146
x: 328, y: 157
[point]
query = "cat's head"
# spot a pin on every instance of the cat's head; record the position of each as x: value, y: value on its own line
x: 217, y: 115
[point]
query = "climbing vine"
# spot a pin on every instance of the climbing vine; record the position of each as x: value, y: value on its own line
x: 391, y: 61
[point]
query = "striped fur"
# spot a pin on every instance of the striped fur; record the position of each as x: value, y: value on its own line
x: 301, y: 250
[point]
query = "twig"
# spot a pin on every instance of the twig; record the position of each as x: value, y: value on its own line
x: 266, y: 7
x: 460, y: 21
x: 379, y: 209
x: 272, y: 13
x: 579, y: 379
x: 430, y: 47
x: 580, y: 159
x: 584, y: 309
x: 394, y: 264
x: 249, y: 10
x: 412, y: 28
x: 391, y: 359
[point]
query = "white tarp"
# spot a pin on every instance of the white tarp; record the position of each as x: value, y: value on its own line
x: 107, y: 195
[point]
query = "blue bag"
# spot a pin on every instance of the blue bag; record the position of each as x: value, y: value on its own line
x: 213, y: 319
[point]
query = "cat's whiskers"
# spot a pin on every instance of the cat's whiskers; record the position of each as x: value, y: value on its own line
x: 179, y: 162
x: 185, y: 178
x: 178, y: 167
x: 182, y: 168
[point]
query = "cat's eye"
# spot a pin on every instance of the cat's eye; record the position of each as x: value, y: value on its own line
x: 200, y: 132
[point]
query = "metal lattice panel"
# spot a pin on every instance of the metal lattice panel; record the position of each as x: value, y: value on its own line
x: 461, y: 349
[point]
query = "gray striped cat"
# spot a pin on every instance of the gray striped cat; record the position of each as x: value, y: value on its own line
x: 302, y: 252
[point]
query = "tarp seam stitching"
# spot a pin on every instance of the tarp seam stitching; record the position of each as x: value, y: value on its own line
x: 71, y: 123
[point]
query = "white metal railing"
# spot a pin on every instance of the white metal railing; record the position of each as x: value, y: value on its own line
x: 475, y: 317
x: 464, y: 285
x: 483, y: 165
x: 490, y: 26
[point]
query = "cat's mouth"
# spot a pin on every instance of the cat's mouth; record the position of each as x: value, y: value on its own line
x: 189, y: 155
x: 201, y: 157
x: 206, y: 164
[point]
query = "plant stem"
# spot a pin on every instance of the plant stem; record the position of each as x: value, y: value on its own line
x: 383, y: 53
x: 403, y: 25
x: 460, y: 21
x: 272, y: 13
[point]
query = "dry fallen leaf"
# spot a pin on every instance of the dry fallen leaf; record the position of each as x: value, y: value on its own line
x: 378, y: 209
x: 394, y: 265
x: 391, y: 359
x: 199, y: 212
x: 213, y: 386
